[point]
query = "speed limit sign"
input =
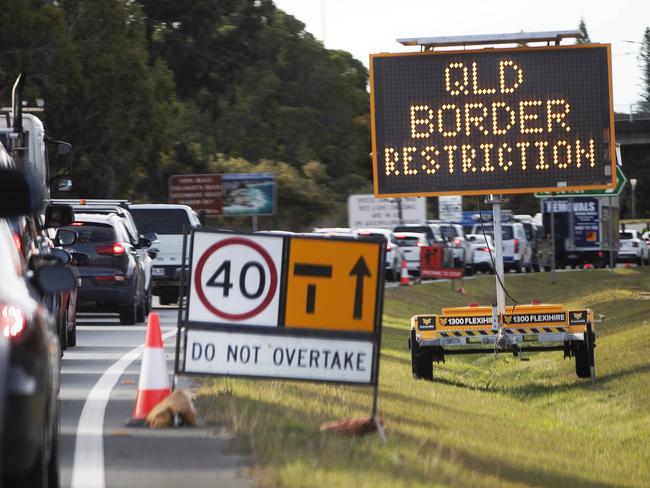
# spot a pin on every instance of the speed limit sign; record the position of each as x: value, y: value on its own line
x: 235, y: 279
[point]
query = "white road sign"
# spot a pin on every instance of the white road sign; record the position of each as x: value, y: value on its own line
x: 368, y: 211
x: 450, y: 208
x: 264, y: 355
x: 235, y: 279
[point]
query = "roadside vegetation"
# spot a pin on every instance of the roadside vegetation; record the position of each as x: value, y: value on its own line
x: 483, y: 422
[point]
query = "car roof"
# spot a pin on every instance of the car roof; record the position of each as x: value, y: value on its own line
x: 160, y: 206
x: 409, y: 234
x: 91, y: 217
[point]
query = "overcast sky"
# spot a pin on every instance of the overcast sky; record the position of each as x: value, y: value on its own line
x: 371, y: 26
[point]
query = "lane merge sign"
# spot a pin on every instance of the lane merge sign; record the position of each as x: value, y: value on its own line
x: 276, y: 306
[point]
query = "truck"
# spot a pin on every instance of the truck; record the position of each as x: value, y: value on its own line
x: 586, y: 229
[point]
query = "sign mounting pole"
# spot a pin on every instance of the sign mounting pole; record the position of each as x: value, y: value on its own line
x: 496, y: 202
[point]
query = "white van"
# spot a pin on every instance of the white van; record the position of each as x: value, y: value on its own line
x: 168, y: 222
x: 517, y: 251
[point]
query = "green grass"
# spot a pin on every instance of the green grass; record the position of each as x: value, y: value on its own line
x: 483, y: 422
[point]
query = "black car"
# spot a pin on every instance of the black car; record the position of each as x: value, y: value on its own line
x: 31, y: 372
x: 113, y: 279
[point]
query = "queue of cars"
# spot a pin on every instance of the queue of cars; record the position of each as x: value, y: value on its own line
x: 526, y: 246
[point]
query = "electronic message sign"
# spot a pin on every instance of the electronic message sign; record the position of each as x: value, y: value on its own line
x: 492, y: 121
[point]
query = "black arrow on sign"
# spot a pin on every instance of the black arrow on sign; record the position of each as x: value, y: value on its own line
x: 360, y: 269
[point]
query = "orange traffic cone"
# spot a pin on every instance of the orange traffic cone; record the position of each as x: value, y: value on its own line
x: 404, y: 276
x: 153, y: 386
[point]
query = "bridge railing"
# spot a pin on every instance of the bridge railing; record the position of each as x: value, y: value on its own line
x: 632, y: 112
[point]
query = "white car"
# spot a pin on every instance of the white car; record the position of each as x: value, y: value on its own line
x: 517, y: 251
x: 632, y: 247
x: 168, y: 222
x: 393, y: 261
x: 410, y: 243
x: 483, y: 252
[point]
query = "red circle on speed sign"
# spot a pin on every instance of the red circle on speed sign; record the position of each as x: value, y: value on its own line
x: 232, y: 242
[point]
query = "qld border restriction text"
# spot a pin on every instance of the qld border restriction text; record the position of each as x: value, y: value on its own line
x: 492, y: 120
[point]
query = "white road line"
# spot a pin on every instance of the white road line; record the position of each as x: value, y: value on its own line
x: 88, y: 464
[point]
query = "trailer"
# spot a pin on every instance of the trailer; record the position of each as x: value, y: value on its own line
x: 522, y: 329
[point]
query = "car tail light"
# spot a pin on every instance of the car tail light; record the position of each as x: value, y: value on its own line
x: 115, y: 249
x: 516, y: 246
x: 457, y: 242
x: 118, y: 278
x: 389, y: 246
x: 12, y: 321
x: 485, y: 249
x: 420, y: 244
x: 18, y: 243
x: 635, y: 244
x: 77, y: 224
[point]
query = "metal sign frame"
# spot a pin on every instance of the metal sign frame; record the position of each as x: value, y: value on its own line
x: 496, y: 188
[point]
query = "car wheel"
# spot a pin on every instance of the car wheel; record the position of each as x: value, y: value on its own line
x: 537, y: 268
x: 639, y: 262
x: 147, y: 302
x: 72, y: 334
x: 128, y: 314
x: 518, y: 267
x: 140, y: 313
x: 469, y: 270
x: 63, y: 333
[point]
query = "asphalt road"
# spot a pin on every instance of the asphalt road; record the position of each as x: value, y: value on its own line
x: 99, y: 385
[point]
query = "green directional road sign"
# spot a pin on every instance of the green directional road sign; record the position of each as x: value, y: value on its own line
x: 621, y: 180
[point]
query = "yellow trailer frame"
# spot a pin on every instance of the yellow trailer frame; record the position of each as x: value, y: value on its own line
x: 523, y: 328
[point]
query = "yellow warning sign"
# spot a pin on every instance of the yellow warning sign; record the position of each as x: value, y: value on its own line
x: 332, y: 285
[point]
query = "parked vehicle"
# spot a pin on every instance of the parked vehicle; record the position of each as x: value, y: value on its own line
x: 394, y: 257
x: 582, y: 230
x: 113, y: 277
x: 168, y: 222
x: 483, y: 252
x: 517, y: 252
x: 121, y: 209
x: 30, y: 421
x: 411, y: 243
x: 454, y: 235
x: 434, y: 236
x: 540, y: 245
x: 633, y: 248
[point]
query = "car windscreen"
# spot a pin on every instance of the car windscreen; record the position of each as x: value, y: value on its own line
x: 506, y: 232
x: 373, y: 234
x: 420, y: 229
x: 93, y: 232
x: 407, y: 241
x: 160, y: 220
x: 625, y: 235
x: 448, y: 232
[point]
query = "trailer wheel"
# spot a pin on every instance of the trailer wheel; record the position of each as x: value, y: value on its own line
x: 424, y: 366
x: 421, y: 360
x: 582, y: 360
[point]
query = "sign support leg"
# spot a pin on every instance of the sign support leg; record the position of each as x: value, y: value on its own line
x: 610, y: 233
x: 181, y: 301
x: 496, y: 202
x: 553, y: 276
x: 375, y: 417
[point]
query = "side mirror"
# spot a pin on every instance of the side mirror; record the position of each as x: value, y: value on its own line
x: 54, y: 279
x: 65, y: 237
x: 144, y: 243
x: 61, y: 255
x: 152, y: 253
x: 471, y: 238
x: 80, y: 259
x: 152, y: 236
x: 20, y: 193
x: 59, y: 216
x: 64, y: 184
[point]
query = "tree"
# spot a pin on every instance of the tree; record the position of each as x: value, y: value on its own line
x: 584, y: 39
x: 644, y: 61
